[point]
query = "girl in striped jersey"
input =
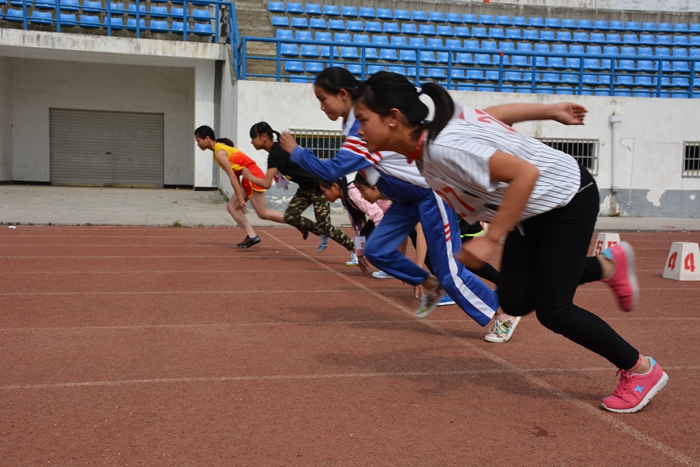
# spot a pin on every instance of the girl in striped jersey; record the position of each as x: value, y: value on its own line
x: 413, y: 202
x: 539, y: 197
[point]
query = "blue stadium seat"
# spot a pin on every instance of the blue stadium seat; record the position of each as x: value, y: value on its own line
x: 280, y: 21
x: 396, y: 69
x: 156, y: 11
x: 388, y: 54
x: 313, y: 9
x: 336, y: 25
x: 41, y: 4
x: 663, y: 39
x: 391, y: 28
x: 694, y: 40
x: 482, y: 59
x: 506, y: 46
x: 571, y: 78
x: 613, y: 38
x: 309, y: 51
x: 293, y: 66
x: 367, y: 12
x: 479, y: 32
x: 544, y: 89
x: 42, y: 17
x: 68, y: 20
x: 664, y: 27
x: 600, y: 24
x: 576, y: 49
x: 318, y: 23
x: 535, y: 22
x: 453, y: 17
x: 616, y: 25
x: 331, y: 10
x: 649, y: 26
x: 348, y: 11
x: 585, y: 24
x: 299, y: 22
x: 355, y: 69
x: 513, y: 76
x: 370, y: 53
x: 630, y: 38
x: 284, y: 34
x: 469, y: 18
x: 647, y: 39
x: 597, y: 37
x: 465, y: 87
x: 485, y: 88
x: 632, y: 26
x: 131, y: 24
x: 436, y: 17
x: 581, y: 37
x: 645, y: 81
x: 435, y: 42
x: 385, y: 13
x: 314, y: 67
x: 568, y: 23
x: 626, y: 65
x: 361, y: 39
x: 199, y: 14
x: 402, y: 15
x: 497, y: 33
x: 373, y: 26
x: 462, y: 31
x: 409, y: 28
x: 372, y: 69
x: 463, y: 58
x: 275, y: 7
x: 299, y: 79
x: 426, y: 56
x: 398, y: 40
x: 531, y: 35
x: 158, y: 26
x: 646, y: 65
x: 458, y: 73
x: 680, y: 27
x: 475, y: 75
x: 486, y: 19
x: 628, y: 50
x: 552, y: 23
x: 380, y: 40
x: 349, y: 53
x: 295, y: 8
x: 342, y: 37
x: 443, y: 57
x: 566, y: 90
x: 490, y: 46
x: 95, y: 6
x: 641, y: 93
x: 303, y: 35
x: 178, y: 27
x: 456, y: 44
x: 416, y: 41
x: 69, y: 5
x: 512, y: 34
x: 471, y: 44
x: 419, y: 15
x: 93, y: 21
x: 427, y: 30
x: 355, y: 26
x: 546, y: 35
x: 564, y: 36
x: 680, y: 40
x: 503, y: 20
x: 408, y: 56
x: 444, y: 30
x: 289, y: 50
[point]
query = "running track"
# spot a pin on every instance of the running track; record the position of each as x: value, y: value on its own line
x: 162, y: 346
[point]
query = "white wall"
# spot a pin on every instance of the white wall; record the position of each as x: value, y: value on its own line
x: 650, y: 138
x: 5, y: 120
x: 38, y: 85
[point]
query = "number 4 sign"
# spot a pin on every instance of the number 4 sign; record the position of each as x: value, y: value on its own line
x: 680, y: 264
x: 605, y: 241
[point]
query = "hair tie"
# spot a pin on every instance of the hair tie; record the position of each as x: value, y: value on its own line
x: 419, y: 90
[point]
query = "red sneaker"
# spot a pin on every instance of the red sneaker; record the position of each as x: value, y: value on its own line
x: 624, y: 280
x: 635, y: 390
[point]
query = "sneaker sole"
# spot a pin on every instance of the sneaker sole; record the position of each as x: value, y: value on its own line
x: 351, y: 265
x: 502, y: 340
x: 652, y: 392
x: 426, y: 313
x: 631, y: 276
x: 446, y: 303
x: 383, y: 277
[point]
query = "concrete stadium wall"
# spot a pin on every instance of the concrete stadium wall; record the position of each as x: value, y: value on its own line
x: 650, y: 140
x: 38, y: 85
x: 5, y: 121
x: 640, y: 5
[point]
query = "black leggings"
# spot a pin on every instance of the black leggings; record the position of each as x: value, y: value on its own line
x: 541, y: 270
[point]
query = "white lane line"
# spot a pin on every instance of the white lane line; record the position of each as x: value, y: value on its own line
x: 591, y: 410
x: 176, y: 292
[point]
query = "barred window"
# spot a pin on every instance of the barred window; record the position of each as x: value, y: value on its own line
x: 323, y: 143
x: 691, y: 160
x: 585, y: 151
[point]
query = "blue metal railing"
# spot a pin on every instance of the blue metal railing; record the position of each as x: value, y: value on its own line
x: 660, y: 77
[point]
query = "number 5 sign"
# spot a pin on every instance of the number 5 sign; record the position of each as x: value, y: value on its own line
x: 605, y: 241
x: 680, y: 264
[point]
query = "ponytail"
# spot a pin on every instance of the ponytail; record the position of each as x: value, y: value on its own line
x: 204, y: 132
x: 385, y: 90
x: 264, y: 128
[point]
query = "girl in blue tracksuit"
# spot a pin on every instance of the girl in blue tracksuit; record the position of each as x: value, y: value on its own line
x: 414, y: 202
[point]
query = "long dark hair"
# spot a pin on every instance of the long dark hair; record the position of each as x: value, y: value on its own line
x: 264, y: 128
x: 357, y: 215
x: 334, y: 79
x: 361, y: 180
x: 206, y: 131
x: 385, y: 90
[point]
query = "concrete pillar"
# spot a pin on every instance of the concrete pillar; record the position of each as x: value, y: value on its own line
x: 5, y: 120
x: 204, y: 108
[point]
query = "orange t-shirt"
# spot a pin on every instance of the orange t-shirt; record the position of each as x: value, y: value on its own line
x: 238, y: 160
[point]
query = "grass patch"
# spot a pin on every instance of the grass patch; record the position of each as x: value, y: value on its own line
x: 177, y: 224
x: 223, y: 195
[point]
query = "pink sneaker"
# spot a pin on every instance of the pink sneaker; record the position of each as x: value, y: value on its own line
x: 623, y: 281
x: 635, y: 390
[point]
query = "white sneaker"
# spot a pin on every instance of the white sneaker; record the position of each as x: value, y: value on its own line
x: 446, y: 301
x: 502, y: 328
x: 429, y: 301
x: 382, y: 275
x: 353, y: 260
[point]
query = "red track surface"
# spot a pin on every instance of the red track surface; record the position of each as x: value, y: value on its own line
x: 161, y: 346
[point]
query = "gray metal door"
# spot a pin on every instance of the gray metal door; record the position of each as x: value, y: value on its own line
x: 95, y: 148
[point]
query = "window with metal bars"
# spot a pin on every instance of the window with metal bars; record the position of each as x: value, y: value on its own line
x: 691, y: 160
x: 323, y: 143
x: 585, y: 151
